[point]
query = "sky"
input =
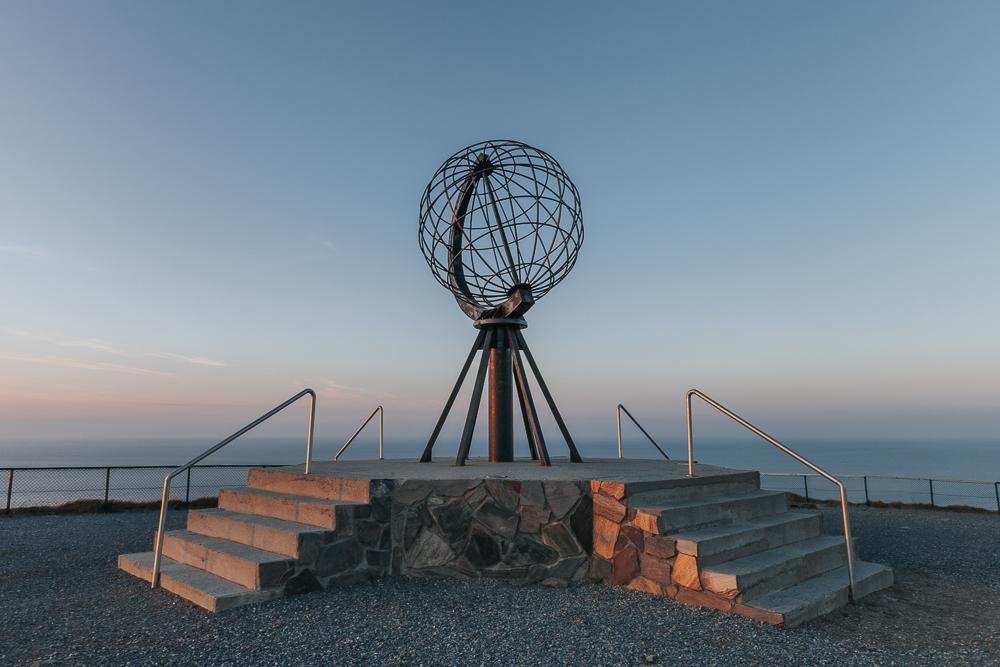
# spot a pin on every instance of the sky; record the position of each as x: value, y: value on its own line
x: 793, y: 207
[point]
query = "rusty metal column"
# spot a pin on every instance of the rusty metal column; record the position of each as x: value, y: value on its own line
x: 501, y: 399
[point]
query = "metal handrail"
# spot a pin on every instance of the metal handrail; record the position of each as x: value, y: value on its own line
x: 618, y: 415
x: 158, y: 549
x: 739, y: 420
x: 381, y: 420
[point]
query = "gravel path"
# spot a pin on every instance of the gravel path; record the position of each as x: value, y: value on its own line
x: 63, y: 602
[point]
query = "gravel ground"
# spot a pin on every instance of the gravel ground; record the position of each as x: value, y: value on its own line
x: 63, y: 602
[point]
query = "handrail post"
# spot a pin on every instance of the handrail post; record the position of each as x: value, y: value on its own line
x: 381, y: 426
x: 107, y: 486
x: 690, y: 445
x: 309, y: 436
x: 158, y: 546
x: 930, y: 483
x: 996, y: 490
x: 618, y: 419
x: 868, y: 502
x: 187, y: 488
x: 10, y: 487
x: 847, y: 540
x: 805, y: 485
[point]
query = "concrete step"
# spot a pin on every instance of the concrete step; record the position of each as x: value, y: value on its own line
x: 675, y: 515
x: 775, y: 569
x: 732, y: 483
x: 197, y: 586
x: 238, y: 563
x: 817, y: 596
x: 300, y: 509
x: 294, y: 482
x: 288, y: 538
x: 719, y: 544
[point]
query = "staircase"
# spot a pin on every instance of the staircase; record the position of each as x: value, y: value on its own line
x: 741, y: 549
x: 263, y: 542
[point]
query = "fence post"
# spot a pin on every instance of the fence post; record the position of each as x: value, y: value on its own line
x: 930, y: 482
x: 10, y: 487
x: 996, y: 490
x: 107, y: 485
x: 805, y: 485
x: 867, y: 501
x: 187, y: 489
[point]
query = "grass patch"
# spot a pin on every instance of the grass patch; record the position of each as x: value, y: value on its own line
x: 811, y: 503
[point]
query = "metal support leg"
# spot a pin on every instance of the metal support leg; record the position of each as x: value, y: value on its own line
x: 501, y: 404
x: 527, y: 423
x: 574, y: 455
x: 477, y: 395
x: 535, y: 431
x: 426, y: 457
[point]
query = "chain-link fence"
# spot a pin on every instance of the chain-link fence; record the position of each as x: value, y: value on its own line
x: 108, y: 486
x: 890, y: 490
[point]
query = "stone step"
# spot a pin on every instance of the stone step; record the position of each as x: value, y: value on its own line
x: 665, y: 517
x: 817, y: 596
x: 719, y: 544
x: 197, y: 586
x: 732, y: 483
x: 288, y: 538
x: 775, y: 569
x: 239, y: 563
x: 300, y: 509
x: 294, y: 482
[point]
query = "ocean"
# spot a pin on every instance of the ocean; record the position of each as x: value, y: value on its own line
x: 941, y: 460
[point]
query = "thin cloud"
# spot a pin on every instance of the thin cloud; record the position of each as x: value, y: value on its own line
x: 98, y: 345
x: 85, y: 364
x: 337, y: 390
x: 31, y: 252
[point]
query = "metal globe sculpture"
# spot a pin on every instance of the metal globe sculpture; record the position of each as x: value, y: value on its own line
x: 500, y: 226
x: 500, y: 220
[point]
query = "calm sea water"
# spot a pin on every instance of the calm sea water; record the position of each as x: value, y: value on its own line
x: 979, y: 460
x: 942, y: 460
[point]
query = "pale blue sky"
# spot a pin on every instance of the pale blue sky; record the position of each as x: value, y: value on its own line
x: 793, y: 206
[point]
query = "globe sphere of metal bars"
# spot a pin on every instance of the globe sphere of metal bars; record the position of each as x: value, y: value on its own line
x: 500, y: 219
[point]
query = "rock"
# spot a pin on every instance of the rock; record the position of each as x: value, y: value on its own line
x: 630, y: 535
x: 528, y: 551
x: 452, y: 519
x: 532, y: 494
x: 430, y: 550
x: 645, y: 522
x: 411, y: 492
x: 567, y: 568
x: 368, y: 532
x: 600, y: 570
x: 377, y: 558
x: 533, y: 518
x: 645, y: 585
x: 338, y: 557
x: 561, y: 497
x: 482, y: 550
x: 605, y: 537
x: 559, y: 537
x: 303, y: 582
x: 703, y: 599
x: 650, y: 659
x: 581, y: 521
x: 659, y: 547
x: 654, y: 568
x: 608, y: 507
x: 624, y: 566
x: 685, y: 572
x: 614, y: 490
x: 555, y: 583
x: 454, y: 487
x: 475, y: 496
x: 499, y: 520
x: 502, y: 493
